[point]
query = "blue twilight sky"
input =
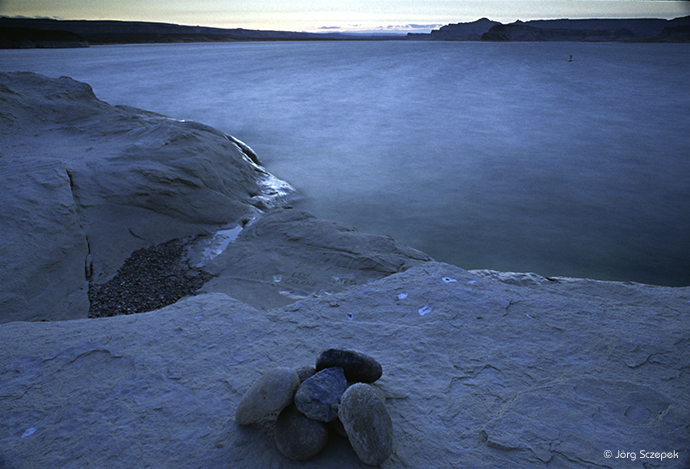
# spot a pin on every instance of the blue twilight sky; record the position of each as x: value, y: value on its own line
x: 334, y: 15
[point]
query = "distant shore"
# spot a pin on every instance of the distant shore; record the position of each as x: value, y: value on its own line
x: 22, y: 33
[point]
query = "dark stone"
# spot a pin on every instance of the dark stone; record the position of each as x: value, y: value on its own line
x: 367, y: 423
x: 297, y: 437
x: 319, y: 396
x: 305, y: 373
x: 337, y: 427
x: 359, y: 367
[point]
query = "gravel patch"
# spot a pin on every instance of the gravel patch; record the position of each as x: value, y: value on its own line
x: 150, y: 278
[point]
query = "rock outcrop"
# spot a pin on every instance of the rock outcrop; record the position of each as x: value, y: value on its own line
x: 287, y: 255
x: 86, y: 183
x: 526, y: 373
x: 570, y: 30
x: 525, y: 32
x: 462, y: 31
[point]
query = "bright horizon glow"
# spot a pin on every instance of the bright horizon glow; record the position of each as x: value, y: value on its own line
x: 340, y: 15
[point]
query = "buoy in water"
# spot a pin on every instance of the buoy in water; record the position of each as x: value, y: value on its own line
x: 570, y: 59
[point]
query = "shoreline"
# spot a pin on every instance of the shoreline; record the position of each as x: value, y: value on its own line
x: 169, y: 201
x: 49, y: 33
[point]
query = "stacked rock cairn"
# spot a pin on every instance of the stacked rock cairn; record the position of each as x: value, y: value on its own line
x: 336, y: 393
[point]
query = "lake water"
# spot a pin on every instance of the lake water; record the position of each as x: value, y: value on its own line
x: 484, y: 155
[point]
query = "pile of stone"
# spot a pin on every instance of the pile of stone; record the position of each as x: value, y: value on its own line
x: 336, y: 393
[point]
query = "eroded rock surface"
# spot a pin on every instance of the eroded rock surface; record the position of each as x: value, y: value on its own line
x: 287, y: 255
x: 85, y: 184
x: 483, y: 369
x: 496, y: 374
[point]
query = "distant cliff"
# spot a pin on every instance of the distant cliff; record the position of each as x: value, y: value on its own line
x: 524, y: 32
x: 589, y: 30
x: 639, y: 27
x: 674, y: 34
x: 463, y: 31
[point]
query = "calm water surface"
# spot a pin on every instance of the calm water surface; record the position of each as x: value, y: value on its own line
x: 499, y: 156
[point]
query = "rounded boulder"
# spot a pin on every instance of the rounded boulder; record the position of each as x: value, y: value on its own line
x: 367, y: 423
x: 358, y: 366
x: 297, y: 437
x: 268, y: 395
x: 319, y: 396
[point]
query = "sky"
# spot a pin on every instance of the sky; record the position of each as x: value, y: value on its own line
x: 339, y: 15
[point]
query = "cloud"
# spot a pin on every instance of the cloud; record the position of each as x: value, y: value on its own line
x: 417, y: 26
x: 396, y: 29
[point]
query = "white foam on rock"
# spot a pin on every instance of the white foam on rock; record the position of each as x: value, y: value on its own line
x: 274, y: 192
x: 219, y: 243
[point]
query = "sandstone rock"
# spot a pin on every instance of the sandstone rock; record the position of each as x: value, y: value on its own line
x: 298, y: 437
x: 288, y: 255
x: 271, y: 393
x: 85, y: 184
x: 123, y: 179
x: 498, y: 375
x: 367, y: 423
x: 44, y: 250
x: 504, y: 371
x: 319, y: 396
x: 358, y: 366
